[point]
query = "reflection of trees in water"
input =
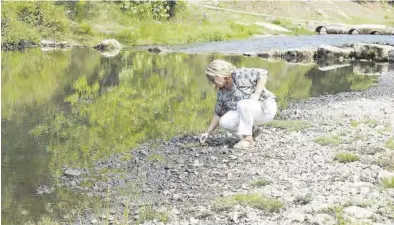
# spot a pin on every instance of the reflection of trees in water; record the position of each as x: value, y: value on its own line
x: 370, y: 68
x: 30, y: 82
x: 337, y: 80
x: 146, y: 96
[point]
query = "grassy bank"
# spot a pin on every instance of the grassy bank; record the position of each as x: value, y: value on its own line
x: 85, y: 22
x: 26, y: 23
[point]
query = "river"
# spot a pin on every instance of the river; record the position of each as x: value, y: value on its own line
x: 69, y: 108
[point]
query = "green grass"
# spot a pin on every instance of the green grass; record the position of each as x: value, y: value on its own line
x: 155, y: 157
x: 255, y: 200
x: 148, y: 213
x: 260, y: 183
x: 370, y: 122
x: 346, y: 157
x: 388, y: 182
x: 386, y: 161
x: 290, y: 125
x: 390, y: 143
x: 45, y: 220
x: 328, y: 140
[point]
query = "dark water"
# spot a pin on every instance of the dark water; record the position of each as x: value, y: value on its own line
x: 68, y: 108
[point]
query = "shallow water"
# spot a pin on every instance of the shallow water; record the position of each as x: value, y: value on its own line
x: 282, y: 42
x: 68, y: 108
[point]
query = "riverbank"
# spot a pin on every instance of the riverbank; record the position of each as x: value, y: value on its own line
x: 327, y: 160
x: 87, y: 23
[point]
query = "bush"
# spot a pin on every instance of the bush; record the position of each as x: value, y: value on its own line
x: 158, y: 10
x: 27, y: 22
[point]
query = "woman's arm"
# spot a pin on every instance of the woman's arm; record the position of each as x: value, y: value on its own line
x: 214, y: 124
x: 260, y: 84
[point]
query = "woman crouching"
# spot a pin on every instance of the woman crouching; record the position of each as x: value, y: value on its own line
x: 243, y: 102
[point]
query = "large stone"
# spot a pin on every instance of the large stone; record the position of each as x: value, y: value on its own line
x: 332, y: 53
x: 374, y: 52
x: 72, y: 172
x: 358, y: 212
x: 390, y: 56
x: 385, y: 175
x: 108, y: 48
x: 290, y: 55
x: 322, y: 219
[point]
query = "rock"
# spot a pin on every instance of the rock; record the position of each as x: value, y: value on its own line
x: 177, y: 197
x: 322, y: 219
x: 24, y: 212
x: 175, y: 211
x: 332, y: 29
x: 384, y: 174
x: 194, y: 221
x: 373, y: 52
x: 297, y: 217
x: 390, y: 56
x: 233, y: 157
x: 72, y: 172
x: 103, y: 217
x: 158, y: 50
x: 250, y: 54
x: 93, y: 221
x: 357, y: 212
x: 108, y: 48
x: 290, y: 55
x: 332, y: 53
x: 112, y: 211
x: 197, y: 163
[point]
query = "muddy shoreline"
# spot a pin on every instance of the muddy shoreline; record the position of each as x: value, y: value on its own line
x: 180, y: 182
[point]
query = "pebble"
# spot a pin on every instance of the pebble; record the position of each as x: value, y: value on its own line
x: 358, y: 212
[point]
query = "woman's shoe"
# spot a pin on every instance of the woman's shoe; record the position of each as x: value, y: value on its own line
x: 244, y: 144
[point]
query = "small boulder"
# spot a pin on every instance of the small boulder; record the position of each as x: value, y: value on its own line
x: 384, y: 174
x: 108, y: 45
x: 72, y: 172
x: 373, y: 52
x: 158, y: 50
x: 332, y: 53
x: 358, y: 212
x: 390, y: 56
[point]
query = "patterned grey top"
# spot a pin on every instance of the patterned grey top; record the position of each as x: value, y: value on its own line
x: 244, y: 83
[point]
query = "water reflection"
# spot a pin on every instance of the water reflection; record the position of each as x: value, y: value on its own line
x: 72, y: 107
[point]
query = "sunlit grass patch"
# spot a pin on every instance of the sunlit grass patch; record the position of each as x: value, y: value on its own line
x: 388, y: 182
x: 148, y: 213
x: 328, y: 140
x: 261, y: 183
x: 390, y: 143
x: 346, y: 157
x: 256, y: 200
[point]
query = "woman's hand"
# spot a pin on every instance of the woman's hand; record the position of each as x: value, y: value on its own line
x: 203, y: 138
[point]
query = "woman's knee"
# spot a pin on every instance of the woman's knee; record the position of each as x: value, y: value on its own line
x: 247, y: 105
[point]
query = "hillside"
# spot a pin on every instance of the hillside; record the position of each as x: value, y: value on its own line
x: 84, y: 22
